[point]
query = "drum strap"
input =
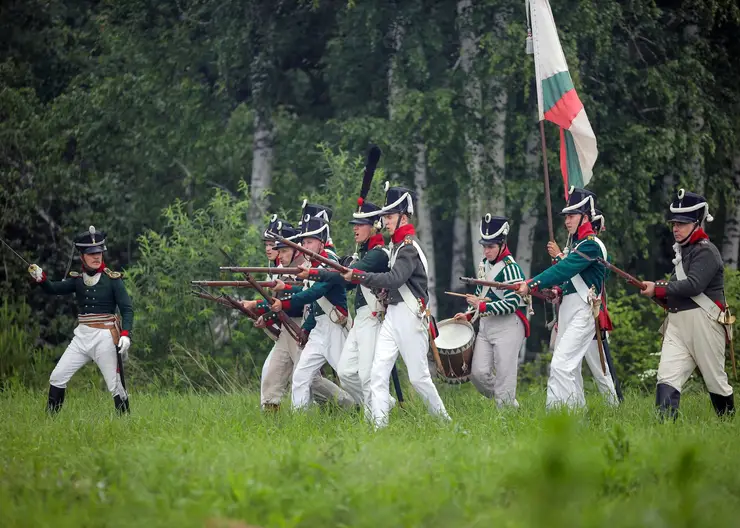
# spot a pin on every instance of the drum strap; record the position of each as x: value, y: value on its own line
x: 491, y: 274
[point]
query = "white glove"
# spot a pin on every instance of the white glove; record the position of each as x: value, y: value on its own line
x: 124, y: 343
x: 36, y: 273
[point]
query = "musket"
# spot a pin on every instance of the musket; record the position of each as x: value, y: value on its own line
x: 634, y: 281
x: 243, y: 284
x: 289, y: 325
x: 545, y: 293
x: 269, y: 271
x: 229, y: 302
x: 312, y: 254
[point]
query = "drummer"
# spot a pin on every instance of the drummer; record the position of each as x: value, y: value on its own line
x: 504, y: 324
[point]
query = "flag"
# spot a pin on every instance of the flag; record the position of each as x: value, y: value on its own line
x: 558, y: 101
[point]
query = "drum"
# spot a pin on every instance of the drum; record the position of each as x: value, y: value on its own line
x: 455, y: 346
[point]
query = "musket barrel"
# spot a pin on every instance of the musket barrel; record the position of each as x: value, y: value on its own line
x: 271, y: 271
x: 312, y: 254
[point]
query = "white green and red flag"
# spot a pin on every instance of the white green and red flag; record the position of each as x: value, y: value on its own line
x: 558, y: 101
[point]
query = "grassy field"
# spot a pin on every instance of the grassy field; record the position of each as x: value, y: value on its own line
x: 215, y: 460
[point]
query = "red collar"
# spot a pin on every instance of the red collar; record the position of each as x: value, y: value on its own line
x: 99, y: 270
x: 316, y: 263
x: 503, y: 254
x: 375, y: 241
x: 698, y: 234
x: 585, y: 230
x: 402, y: 232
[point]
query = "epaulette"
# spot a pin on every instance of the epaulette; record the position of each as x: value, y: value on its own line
x: 590, y: 237
x: 408, y: 240
x: 74, y: 274
x: 508, y: 260
x: 703, y: 241
x: 113, y: 274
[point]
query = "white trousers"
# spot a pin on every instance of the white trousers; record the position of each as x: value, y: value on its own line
x: 324, y: 345
x: 576, y: 329
x: 604, y: 382
x: 278, y: 368
x: 402, y: 331
x: 497, y: 346
x: 89, y: 344
x: 356, y: 361
x: 693, y: 340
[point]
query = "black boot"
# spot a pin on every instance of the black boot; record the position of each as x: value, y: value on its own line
x: 56, y: 399
x: 723, y: 405
x: 667, y: 399
x: 121, y: 405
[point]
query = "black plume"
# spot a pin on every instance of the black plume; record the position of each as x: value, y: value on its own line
x: 372, y: 161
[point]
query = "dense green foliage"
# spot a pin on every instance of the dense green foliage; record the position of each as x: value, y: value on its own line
x: 199, y: 460
x: 112, y: 113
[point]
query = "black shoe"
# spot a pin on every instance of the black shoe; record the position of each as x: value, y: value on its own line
x: 121, y: 405
x: 667, y: 399
x: 723, y: 405
x: 56, y: 399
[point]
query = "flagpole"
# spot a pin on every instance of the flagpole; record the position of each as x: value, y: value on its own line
x: 548, y: 201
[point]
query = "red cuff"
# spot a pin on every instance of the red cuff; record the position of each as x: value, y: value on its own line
x: 469, y: 316
x: 482, y: 306
x: 357, y: 276
x: 124, y: 333
x: 260, y: 310
x: 286, y: 304
x: 661, y: 289
x: 342, y: 310
x: 313, y: 272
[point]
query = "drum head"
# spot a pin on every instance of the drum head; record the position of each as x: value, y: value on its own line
x: 454, y: 334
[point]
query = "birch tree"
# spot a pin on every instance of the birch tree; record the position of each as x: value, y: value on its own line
x: 423, y: 213
x: 731, y: 242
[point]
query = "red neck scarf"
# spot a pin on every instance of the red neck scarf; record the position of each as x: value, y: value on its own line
x: 503, y: 254
x: 375, y: 241
x: 316, y: 263
x: 698, y: 234
x: 402, y: 232
x: 585, y: 230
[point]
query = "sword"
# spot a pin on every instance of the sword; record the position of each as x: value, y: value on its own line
x: 612, y: 370
x: 14, y: 252
x: 397, y: 386
x: 124, y: 396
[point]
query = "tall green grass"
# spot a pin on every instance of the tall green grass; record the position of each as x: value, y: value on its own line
x: 207, y: 460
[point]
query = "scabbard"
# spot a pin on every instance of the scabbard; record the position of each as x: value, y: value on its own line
x: 612, y: 369
x: 397, y: 385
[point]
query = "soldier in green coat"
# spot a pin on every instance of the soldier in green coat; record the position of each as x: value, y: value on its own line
x: 98, y: 291
x: 581, y: 281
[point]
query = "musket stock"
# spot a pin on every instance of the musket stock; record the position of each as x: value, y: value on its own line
x: 288, y: 324
x: 311, y: 254
x: 233, y: 303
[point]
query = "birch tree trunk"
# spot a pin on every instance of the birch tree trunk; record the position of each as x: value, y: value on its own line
x: 424, y: 222
x: 731, y: 241
x: 424, y: 217
x: 459, y: 240
x: 475, y: 153
x: 263, y: 141
x: 528, y: 222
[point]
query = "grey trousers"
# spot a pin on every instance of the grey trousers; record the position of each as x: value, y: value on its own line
x: 497, y: 350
